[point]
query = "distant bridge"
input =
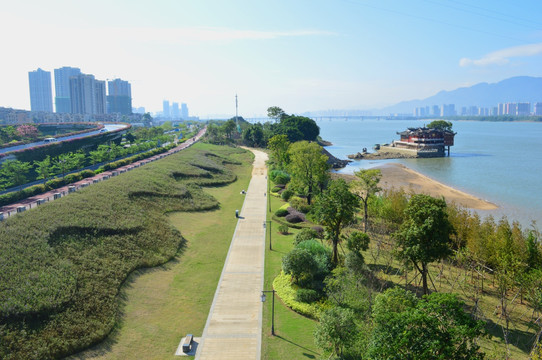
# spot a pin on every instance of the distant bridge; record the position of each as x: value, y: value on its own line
x: 254, y: 120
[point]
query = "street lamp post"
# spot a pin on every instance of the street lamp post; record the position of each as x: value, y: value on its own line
x: 262, y: 297
x: 270, y: 232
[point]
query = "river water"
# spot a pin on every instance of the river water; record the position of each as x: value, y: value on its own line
x: 497, y: 161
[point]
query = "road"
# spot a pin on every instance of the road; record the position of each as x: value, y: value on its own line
x: 107, y: 127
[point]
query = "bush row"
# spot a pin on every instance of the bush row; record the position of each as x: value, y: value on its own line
x: 56, y: 183
x: 288, y: 293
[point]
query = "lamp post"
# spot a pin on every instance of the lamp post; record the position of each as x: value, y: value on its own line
x: 270, y: 232
x: 262, y: 297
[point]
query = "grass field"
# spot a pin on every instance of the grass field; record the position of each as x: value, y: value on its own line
x: 162, y: 304
x: 294, y: 333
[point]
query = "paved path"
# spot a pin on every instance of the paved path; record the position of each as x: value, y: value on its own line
x: 234, y: 326
x: 33, y: 201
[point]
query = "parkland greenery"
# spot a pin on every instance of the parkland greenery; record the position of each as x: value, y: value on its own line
x: 62, y: 264
x: 395, y: 275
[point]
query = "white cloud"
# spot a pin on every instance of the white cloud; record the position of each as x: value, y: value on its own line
x: 502, y: 57
x: 207, y: 34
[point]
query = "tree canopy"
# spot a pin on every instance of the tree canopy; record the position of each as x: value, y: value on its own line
x: 279, y: 145
x: 365, y: 186
x: 440, y: 125
x: 424, y: 236
x: 308, y: 167
x: 276, y: 113
x: 334, y: 209
x: 435, y: 327
x: 298, y: 128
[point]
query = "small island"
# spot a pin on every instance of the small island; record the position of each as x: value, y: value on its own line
x: 421, y: 142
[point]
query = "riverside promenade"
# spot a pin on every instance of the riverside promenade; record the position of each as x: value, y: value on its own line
x: 234, y: 325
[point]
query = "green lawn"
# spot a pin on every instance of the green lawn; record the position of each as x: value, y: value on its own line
x: 294, y: 333
x: 162, y: 304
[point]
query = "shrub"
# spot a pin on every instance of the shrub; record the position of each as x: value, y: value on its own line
x: 55, y: 183
x: 320, y: 253
x: 287, y: 294
x: 71, y: 178
x: 300, y: 205
x: 307, y: 295
x: 319, y: 230
x: 301, y: 264
x: 287, y: 194
x: 279, y: 177
x: 305, y: 234
x: 281, y: 212
x: 283, y: 229
x: 294, y: 218
x: 276, y: 189
x: 87, y: 173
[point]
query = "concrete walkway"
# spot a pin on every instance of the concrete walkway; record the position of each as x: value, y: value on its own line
x: 234, y: 325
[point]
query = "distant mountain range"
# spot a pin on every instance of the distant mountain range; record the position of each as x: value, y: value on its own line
x: 515, y: 89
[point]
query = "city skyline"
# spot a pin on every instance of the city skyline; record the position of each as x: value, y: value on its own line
x: 301, y: 56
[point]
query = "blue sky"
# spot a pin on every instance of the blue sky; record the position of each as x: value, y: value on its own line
x: 300, y: 55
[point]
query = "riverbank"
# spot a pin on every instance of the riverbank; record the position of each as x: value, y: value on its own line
x: 397, y: 176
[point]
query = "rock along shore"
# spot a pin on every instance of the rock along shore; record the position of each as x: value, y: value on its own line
x: 381, y: 155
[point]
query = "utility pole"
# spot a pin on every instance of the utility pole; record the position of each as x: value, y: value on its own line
x: 237, y: 115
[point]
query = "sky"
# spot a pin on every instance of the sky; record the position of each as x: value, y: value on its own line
x: 300, y: 55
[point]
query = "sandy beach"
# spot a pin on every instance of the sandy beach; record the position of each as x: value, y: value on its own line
x: 399, y: 176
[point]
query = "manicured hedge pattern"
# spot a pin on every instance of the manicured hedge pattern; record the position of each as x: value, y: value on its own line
x: 12, y: 197
x: 62, y: 264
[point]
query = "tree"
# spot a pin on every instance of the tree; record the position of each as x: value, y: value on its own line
x: 44, y: 168
x: 357, y: 242
x: 27, y: 131
x: 300, y: 264
x: 299, y: 128
x: 440, y: 125
x: 64, y: 163
x: 365, y: 186
x: 334, y: 209
x: 335, y: 332
x: 14, y: 172
x: 79, y: 158
x: 424, y: 236
x: 229, y: 127
x: 101, y: 154
x: 308, y: 167
x: 279, y: 145
x: 147, y: 119
x: 253, y: 135
x: 276, y: 113
x: 436, y: 327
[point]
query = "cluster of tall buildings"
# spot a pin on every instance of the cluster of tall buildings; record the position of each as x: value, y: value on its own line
x: 514, y: 109
x: 173, y: 112
x: 78, y: 93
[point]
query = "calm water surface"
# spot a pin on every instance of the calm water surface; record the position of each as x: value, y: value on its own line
x: 497, y: 161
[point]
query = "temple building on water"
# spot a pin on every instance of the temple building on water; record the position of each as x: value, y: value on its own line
x: 422, y: 142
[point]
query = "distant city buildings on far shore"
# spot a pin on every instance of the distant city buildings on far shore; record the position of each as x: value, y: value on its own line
x: 41, y: 98
x: 510, y: 109
x: 78, y: 93
x: 173, y: 112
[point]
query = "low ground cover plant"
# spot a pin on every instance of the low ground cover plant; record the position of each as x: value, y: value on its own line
x: 62, y: 264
